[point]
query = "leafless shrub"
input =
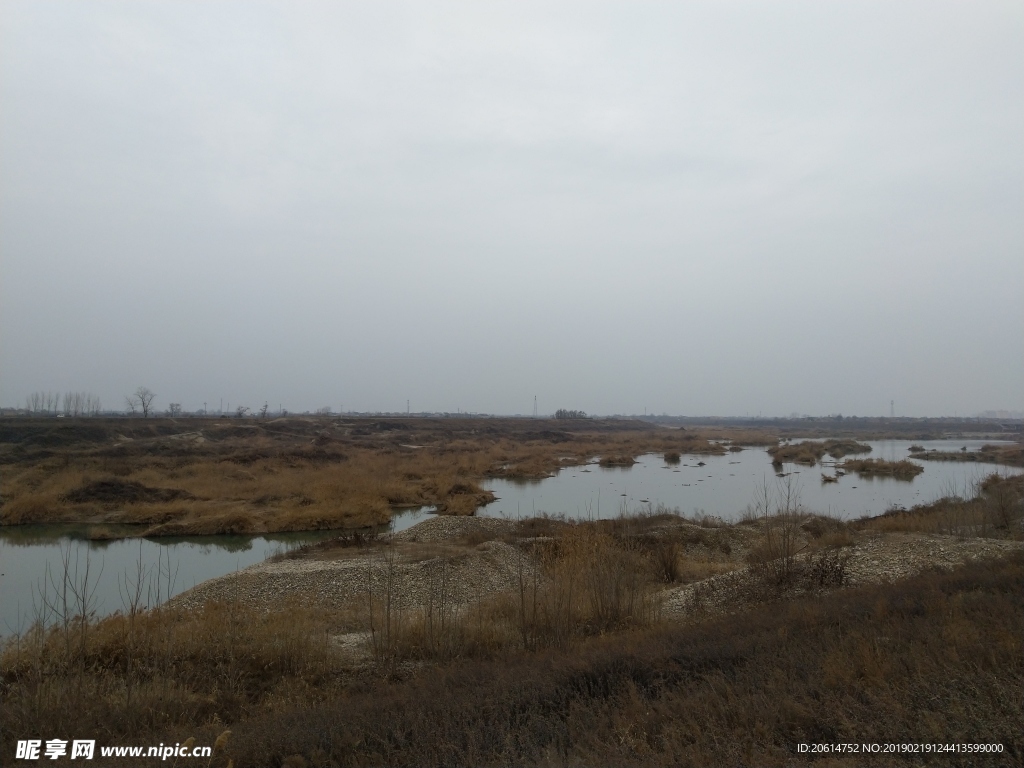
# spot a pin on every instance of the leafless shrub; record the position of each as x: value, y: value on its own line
x: 828, y: 568
x: 780, y: 514
x: 666, y: 559
x: 1004, y: 505
x: 385, y: 612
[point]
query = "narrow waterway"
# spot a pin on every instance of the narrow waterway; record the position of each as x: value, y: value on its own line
x: 34, y: 559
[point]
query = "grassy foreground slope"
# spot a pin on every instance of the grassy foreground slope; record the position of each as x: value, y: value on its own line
x: 937, y: 658
x: 645, y: 640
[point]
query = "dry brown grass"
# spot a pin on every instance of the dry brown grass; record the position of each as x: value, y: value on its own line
x: 914, y: 661
x: 290, y: 474
x: 576, y: 651
x: 572, y: 580
x: 810, y: 452
x: 901, y: 470
x: 996, y: 510
x: 1011, y: 455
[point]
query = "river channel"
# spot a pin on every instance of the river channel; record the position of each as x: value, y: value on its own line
x: 32, y: 558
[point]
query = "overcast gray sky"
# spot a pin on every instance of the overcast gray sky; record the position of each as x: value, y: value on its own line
x: 693, y: 208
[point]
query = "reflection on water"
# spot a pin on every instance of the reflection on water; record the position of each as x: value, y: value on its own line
x: 723, y: 486
x: 716, y: 485
x: 28, y: 551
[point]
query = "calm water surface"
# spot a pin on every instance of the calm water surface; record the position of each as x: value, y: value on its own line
x: 723, y: 487
x: 32, y: 564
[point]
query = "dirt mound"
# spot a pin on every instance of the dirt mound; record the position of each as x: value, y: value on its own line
x: 115, y: 492
x: 449, y: 528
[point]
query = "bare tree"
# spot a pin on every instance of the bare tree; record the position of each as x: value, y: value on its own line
x: 36, y: 402
x: 241, y: 410
x: 74, y: 403
x: 70, y: 403
x: 132, y: 405
x: 263, y: 411
x: 144, y: 396
x: 174, y: 409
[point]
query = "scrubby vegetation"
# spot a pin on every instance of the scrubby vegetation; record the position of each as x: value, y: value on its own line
x: 811, y: 452
x: 576, y: 661
x: 910, y: 662
x: 901, y: 470
x: 575, y: 664
x: 1011, y: 455
x: 579, y: 661
x: 565, y: 413
x: 171, y: 477
x: 617, y: 461
x: 994, y: 509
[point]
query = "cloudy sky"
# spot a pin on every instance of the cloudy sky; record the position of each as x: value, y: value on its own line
x: 691, y: 208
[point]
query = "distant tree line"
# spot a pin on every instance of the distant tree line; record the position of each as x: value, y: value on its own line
x: 69, y: 403
x: 563, y: 413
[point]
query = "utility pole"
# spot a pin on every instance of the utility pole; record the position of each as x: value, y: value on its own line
x: 406, y: 407
x: 204, y: 408
x: 535, y: 406
x: 892, y: 409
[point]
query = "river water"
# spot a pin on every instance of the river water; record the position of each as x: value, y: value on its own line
x: 725, y: 485
x: 32, y: 558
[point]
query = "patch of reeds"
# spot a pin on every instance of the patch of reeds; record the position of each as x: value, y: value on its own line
x: 837, y: 449
x: 810, y: 452
x: 295, y: 474
x: 617, y: 461
x: 994, y: 510
x: 991, y: 454
x: 807, y: 452
x: 901, y: 470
